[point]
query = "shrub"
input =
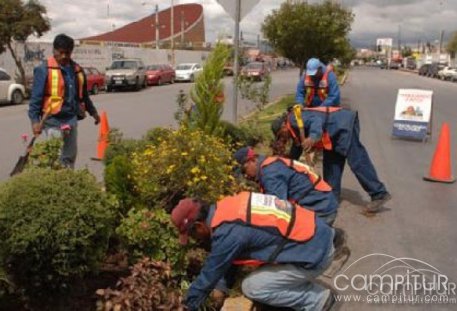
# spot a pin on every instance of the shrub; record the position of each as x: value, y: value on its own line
x: 54, y: 228
x: 46, y: 154
x: 148, y: 287
x: 150, y: 233
x: 186, y: 164
x: 247, y: 134
x: 120, y: 146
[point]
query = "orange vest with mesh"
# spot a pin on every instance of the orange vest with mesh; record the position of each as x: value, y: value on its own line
x: 318, y: 183
x: 55, y: 87
x: 322, y: 88
x: 262, y: 211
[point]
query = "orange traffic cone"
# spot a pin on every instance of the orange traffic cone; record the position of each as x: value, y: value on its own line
x: 441, y: 170
x: 102, y: 137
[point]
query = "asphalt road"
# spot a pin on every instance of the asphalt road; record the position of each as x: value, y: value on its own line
x: 132, y: 112
x: 420, y: 220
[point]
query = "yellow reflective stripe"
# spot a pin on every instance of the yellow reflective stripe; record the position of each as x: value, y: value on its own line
x: 54, y: 83
x: 262, y: 211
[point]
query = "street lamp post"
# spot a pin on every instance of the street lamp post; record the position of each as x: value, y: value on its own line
x: 172, y: 29
x: 155, y: 24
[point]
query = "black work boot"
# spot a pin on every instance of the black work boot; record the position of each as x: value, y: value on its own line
x: 377, y: 203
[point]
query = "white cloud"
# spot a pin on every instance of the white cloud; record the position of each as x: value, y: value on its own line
x: 419, y: 19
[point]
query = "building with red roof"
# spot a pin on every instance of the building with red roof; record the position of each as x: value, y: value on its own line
x: 189, y: 29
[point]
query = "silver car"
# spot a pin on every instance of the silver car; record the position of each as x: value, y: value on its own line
x: 126, y: 73
x: 10, y: 91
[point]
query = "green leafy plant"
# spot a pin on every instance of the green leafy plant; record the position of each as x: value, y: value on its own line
x: 46, y: 154
x: 54, y: 228
x: 150, y: 233
x: 258, y: 93
x: 207, y: 92
x: 188, y: 163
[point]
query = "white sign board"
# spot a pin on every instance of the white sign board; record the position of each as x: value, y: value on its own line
x: 413, y: 112
x: 384, y: 42
x: 230, y: 7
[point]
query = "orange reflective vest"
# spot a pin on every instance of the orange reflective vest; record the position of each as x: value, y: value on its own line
x: 55, y: 87
x: 317, y: 181
x: 322, y: 88
x: 325, y: 142
x: 266, y: 211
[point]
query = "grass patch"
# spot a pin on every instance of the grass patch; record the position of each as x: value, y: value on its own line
x: 262, y: 119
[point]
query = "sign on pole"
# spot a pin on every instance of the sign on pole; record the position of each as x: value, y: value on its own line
x: 413, y: 114
x: 230, y: 7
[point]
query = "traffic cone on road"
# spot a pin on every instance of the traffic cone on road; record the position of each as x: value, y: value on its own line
x: 441, y: 168
x: 102, y: 137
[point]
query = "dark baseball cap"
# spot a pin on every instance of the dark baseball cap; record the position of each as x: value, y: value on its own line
x: 244, y: 154
x: 183, y: 216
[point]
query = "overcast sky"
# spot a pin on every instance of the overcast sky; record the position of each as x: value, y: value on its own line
x: 417, y: 19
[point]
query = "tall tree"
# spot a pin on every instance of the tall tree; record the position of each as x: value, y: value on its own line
x: 299, y: 31
x: 19, y: 20
x: 452, y: 45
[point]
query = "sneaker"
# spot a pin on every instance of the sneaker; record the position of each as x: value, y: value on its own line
x: 376, y: 204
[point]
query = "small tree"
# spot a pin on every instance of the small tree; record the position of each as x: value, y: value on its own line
x: 300, y: 31
x: 18, y: 21
x: 452, y: 45
x: 207, y: 93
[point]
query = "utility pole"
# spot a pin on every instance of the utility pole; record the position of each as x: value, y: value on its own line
x: 172, y: 29
x: 182, y: 29
x: 236, y: 61
x: 441, y: 43
x: 157, y: 27
x: 399, y: 38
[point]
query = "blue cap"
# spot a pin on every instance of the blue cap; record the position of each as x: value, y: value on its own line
x: 244, y: 154
x: 312, y: 65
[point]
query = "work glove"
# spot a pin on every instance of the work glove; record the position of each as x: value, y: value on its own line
x: 308, y: 144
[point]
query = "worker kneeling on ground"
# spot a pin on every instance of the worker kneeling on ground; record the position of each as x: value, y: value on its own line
x: 291, y: 245
x: 336, y: 131
x: 289, y: 180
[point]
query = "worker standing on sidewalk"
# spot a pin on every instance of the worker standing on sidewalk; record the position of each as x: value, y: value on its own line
x: 59, y: 84
x: 289, y: 244
x: 318, y: 86
x: 336, y: 131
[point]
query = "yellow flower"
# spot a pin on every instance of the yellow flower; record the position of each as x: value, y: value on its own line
x: 170, y: 168
x: 184, y: 153
x: 195, y: 170
x: 189, y: 183
x: 204, y: 177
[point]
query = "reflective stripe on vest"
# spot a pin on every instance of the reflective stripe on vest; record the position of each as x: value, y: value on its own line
x: 266, y: 211
x: 322, y: 88
x: 55, y: 87
x: 318, y: 183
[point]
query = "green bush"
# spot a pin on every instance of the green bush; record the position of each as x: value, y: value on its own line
x: 54, y: 228
x: 46, y: 154
x: 243, y: 135
x: 120, y: 146
x: 150, y: 233
x: 187, y: 163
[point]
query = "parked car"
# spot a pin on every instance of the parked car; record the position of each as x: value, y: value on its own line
x: 126, y: 73
x: 228, y: 69
x: 424, y: 69
x: 391, y: 65
x: 255, y: 70
x: 187, y: 72
x: 433, y: 70
x: 447, y: 73
x: 95, y: 80
x: 159, y: 74
x: 10, y: 91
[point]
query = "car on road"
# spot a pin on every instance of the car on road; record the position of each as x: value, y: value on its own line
x: 447, y: 73
x: 126, y: 73
x: 255, y: 70
x: 423, y: 70
x: 10, y: 91
x: 95, y: 80
x: 187, y: 71
x: 434, y: 69
x: 159, y: 74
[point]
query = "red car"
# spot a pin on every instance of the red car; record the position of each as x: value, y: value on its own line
x: 160, y: 74
x: 95, y: 80
x: 255, y: 70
